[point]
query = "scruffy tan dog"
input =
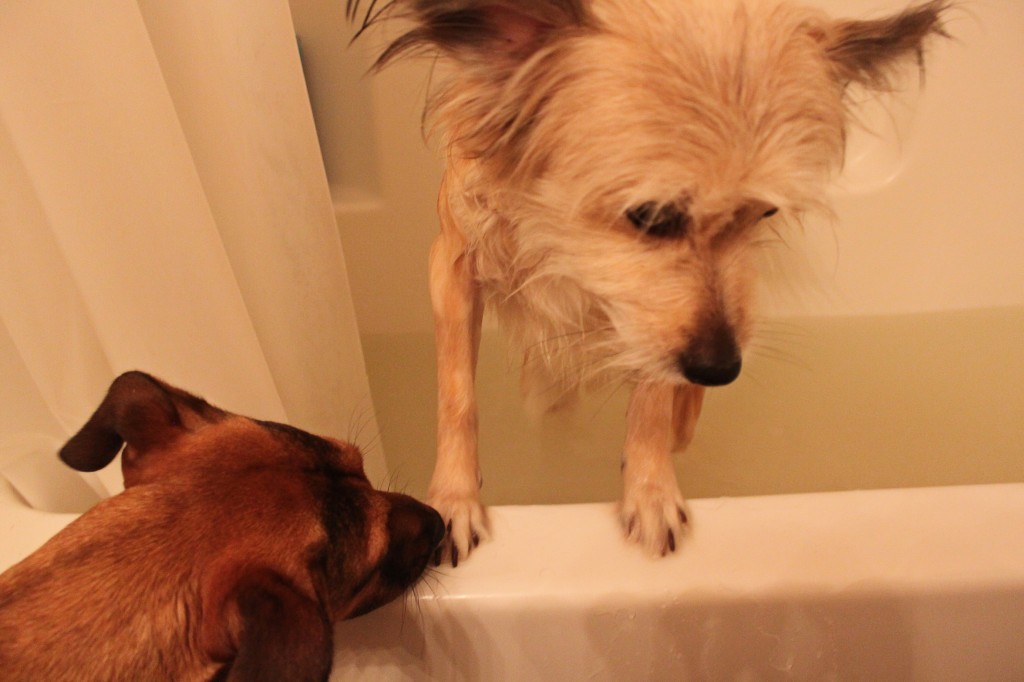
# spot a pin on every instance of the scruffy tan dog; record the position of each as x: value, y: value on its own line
x: 611, y: 166
x: 233, y: 549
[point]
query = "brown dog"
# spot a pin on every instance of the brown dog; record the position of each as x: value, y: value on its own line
x: 233, y: 549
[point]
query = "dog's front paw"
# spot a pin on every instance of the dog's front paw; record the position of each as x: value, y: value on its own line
x: 466, y: 526
x: 654, y: 516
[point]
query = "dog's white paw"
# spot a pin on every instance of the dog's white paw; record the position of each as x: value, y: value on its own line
x: 654, y: 516
x: 466, y: 526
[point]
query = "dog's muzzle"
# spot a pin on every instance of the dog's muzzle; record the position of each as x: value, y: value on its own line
x: 415, y: 530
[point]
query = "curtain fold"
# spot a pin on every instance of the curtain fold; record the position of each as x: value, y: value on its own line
x: 163, y: 206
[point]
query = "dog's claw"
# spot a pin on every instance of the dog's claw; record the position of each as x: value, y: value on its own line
x: 654, y: 517
x: 465, y: 529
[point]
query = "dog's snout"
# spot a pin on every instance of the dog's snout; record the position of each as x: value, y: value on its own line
x: 415, y: 531
x: 712, y: 359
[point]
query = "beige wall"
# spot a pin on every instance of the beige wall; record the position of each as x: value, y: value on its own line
x: 383, y: 176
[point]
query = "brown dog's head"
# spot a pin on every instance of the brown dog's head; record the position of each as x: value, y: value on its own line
x: 612, y: 163
x: 285, y: 532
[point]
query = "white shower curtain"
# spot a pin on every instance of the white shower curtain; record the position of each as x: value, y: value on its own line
x: 163, y: 207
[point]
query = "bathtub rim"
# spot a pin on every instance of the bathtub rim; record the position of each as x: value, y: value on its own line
x: 964, y: 537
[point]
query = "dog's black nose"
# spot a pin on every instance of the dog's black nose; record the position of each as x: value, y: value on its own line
x: 711, y: 373
x: 711, y: 358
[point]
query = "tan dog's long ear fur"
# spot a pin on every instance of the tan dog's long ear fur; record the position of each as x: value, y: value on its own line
x: 139, y: 411
x: 868, y: 52
x: 475, y: 30
x: 270, y: 631
x: 490, y: 40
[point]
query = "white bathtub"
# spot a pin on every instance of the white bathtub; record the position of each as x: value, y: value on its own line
x: 915, y: 584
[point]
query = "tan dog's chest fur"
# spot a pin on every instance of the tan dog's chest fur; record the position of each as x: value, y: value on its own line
x: 613, y: 169
x: 233, y: 548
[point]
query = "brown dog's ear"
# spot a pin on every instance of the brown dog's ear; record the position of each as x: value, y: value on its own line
x: 868, y: 52
x: 474, y: 29
x: 138, y: 410
x: 267, y: 630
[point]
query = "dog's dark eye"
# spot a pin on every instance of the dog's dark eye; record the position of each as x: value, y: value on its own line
x: 658, y: 220
x: 770, y: 212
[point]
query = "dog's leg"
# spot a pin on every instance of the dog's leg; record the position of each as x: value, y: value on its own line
x: 458, y: 310
x: 661, y: 418
x: 686, y: 404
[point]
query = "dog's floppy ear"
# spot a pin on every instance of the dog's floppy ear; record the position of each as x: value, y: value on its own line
x: 474, y: 29
x: 139, y: 411
x: 868, y: 52
x: 267, y: 630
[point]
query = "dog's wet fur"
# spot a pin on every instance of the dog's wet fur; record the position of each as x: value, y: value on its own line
x: 234, y: 548
x: 614, y: 169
